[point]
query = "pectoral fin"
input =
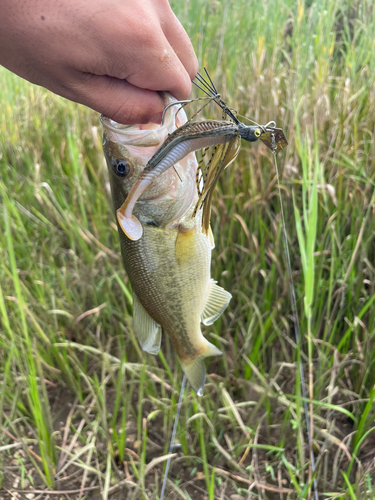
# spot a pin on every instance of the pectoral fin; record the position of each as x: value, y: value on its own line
x: 217, y: 302
x: 147, y: 330
x: 195, y: 370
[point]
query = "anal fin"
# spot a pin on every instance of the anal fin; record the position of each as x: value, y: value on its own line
x: 217, y: 302
x: 147, y: 330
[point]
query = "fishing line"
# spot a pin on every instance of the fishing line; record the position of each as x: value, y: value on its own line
x: 171, y: 445
x: 296, y: 323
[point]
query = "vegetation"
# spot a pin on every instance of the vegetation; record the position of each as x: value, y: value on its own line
x: 82, y: 409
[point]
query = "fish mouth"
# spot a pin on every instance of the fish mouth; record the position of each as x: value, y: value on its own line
x: 162, y: 201
x: 135, y: 135
x: 145, y: 135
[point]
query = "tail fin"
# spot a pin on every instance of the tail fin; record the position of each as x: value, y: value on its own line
x: 195, y: 370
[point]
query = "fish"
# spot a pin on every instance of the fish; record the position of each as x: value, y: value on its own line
x: 169, y: 265
x: 190, y: 137
x: 224, y: 135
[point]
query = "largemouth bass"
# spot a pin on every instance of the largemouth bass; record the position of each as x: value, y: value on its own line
x: 224, y: 135
x: 169, y: 265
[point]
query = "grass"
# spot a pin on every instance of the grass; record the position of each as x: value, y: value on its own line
x: 82, y: 409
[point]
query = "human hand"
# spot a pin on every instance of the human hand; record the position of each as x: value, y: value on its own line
x: 111, y: 56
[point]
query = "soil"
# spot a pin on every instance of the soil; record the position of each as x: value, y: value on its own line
x: 21, y: 480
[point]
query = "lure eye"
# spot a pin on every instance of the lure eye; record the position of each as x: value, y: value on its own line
x: 257, y: 132
x: 121, y: 167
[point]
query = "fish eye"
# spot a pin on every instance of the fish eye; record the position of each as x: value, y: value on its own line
x: 121, y: 167
x: 257, y: 132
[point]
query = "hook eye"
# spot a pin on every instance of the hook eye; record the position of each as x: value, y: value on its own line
x: 270, y: 124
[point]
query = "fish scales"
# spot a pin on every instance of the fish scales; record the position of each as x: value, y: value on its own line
x: 173, y: 287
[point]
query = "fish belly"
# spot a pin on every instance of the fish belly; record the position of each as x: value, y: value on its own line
x: 170, y: 273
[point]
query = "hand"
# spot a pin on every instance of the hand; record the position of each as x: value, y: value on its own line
x: 110, y: 55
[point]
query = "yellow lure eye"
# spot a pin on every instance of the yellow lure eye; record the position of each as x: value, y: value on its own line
x: 257, y: 132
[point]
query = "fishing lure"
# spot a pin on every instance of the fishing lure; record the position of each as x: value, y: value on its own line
x: 192, y: 136
x: 271, y: 136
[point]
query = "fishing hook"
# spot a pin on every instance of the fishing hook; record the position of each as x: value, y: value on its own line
x: 188, y: 101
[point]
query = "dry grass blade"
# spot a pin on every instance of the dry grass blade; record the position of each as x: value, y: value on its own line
x: 229, y: 401
x: 95, y: 310
x: 21, y: 443
x: 65, y: 452
x: 228, y: 458
x: 74, y: 459
x: 56, y: 492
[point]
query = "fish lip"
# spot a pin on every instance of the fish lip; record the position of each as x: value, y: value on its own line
x: 120, y: 128
x: 130, y: 134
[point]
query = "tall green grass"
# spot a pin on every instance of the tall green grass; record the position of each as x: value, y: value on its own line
x: 81, y: 407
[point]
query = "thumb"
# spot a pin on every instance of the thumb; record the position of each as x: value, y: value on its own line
x: 118, y: 99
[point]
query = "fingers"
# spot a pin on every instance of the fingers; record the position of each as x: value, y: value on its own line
x: 153, y: 64
x: 162, y: 71
x: 117, y: 99
x: 111, y: 56
x: 154, y: 52
x: 181, y: 44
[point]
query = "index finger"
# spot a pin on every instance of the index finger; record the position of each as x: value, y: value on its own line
x: 181, y: 44
x: 160, y: 69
